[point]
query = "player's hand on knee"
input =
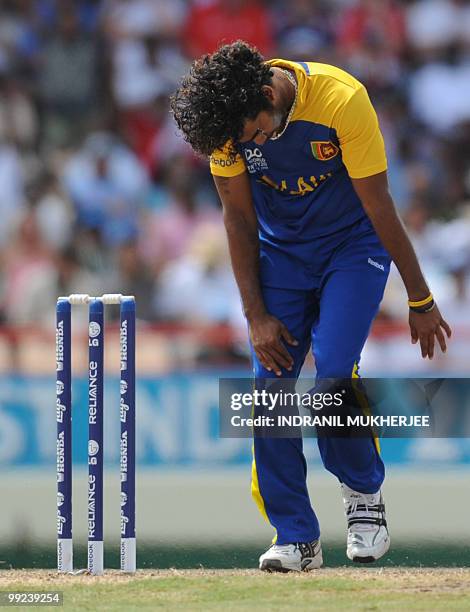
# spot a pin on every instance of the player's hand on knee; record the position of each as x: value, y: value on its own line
x: 268, y: 336
x: 426, y: 328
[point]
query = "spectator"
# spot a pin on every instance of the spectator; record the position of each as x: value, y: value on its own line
x: 433, y: 25
x: 169, y: 229
x: 11, y: 189
x: 65, y: 274
x: 168, y: 143
x: 107, y: 185
x: 53, y: 211
x: 199, y: 286
x: 144, y: 69
x: 67, y: 79
x: 305, y: 31
x: 18, y: 118
x: 441, y: 108
x: 371, y: 39
x: 133, y: 19
x: 27, y: 261
x: 369, y: 22
x: 133, y: 276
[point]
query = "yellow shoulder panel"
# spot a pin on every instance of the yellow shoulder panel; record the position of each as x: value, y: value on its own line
x: 331, y: 97
x: 322, y: 90
x: 222, y: 165
x: 360, y: 138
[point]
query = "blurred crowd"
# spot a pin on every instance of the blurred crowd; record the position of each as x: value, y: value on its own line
x: 99, y: 193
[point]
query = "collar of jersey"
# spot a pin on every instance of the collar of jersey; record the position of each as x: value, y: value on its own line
x: 301, y: 77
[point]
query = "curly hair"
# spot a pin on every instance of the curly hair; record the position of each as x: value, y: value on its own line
x: 218, y: 94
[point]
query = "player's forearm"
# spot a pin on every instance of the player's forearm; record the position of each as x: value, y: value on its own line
x: 244, y: 253
x: 393, y: 236
x: 378, y: 204
x: 241, y: 224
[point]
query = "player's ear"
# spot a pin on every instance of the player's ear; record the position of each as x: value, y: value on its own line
x: 268, y: 91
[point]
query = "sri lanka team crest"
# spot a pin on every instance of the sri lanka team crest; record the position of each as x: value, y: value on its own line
x: 324, y: 151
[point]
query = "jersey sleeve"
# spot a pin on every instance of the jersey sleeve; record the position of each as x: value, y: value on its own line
x: 360, y: 137
x: 222, y: 165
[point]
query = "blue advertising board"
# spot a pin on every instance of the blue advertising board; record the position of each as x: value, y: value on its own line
x: 177, y: 426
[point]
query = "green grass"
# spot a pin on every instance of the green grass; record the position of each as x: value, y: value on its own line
x: 160, y: 556
x: 225, y: 590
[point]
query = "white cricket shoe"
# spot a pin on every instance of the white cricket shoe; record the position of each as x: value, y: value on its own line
x: 301, y: 556
x: 368, y: 537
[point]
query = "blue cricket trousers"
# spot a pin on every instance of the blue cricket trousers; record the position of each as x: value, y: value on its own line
x: 335, y: 319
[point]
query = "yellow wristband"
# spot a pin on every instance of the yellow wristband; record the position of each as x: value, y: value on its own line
x: 427, y: 300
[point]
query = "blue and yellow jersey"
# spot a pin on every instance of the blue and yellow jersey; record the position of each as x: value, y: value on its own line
x: 301, y: 183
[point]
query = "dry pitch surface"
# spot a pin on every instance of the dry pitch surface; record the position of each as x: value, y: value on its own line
x: 326, y: 589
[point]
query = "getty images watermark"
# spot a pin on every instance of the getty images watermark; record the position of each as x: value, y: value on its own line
x: 345, y: 408
x: 276, y: 402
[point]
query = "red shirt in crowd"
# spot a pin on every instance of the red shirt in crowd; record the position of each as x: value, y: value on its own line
x: 214, y: 22
x: 368, y: 20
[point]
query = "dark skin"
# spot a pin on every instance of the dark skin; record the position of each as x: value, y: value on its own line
x: 268, y: 335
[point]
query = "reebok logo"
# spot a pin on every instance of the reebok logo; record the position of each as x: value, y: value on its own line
x: 376, y: 264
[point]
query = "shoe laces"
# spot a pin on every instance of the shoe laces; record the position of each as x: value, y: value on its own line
x: 360, y: 507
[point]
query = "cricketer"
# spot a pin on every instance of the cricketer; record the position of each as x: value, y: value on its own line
x: 299, y: 163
